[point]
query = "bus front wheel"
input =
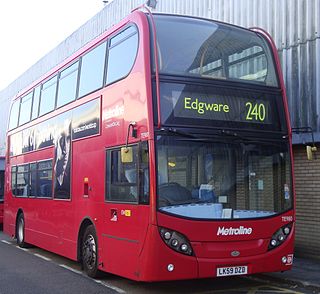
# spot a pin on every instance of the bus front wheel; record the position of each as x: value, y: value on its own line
x: 20, y: 231
x: 90, y: 252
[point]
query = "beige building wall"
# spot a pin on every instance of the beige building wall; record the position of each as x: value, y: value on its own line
x: 307, y: 177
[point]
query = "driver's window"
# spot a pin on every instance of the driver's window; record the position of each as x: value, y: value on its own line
x: 122, y: 176
x: 127, y: 174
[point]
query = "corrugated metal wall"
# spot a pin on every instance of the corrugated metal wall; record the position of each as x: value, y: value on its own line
x: 294, y: 25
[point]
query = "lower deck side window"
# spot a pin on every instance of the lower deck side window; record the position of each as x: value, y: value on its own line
x: 32, y: 179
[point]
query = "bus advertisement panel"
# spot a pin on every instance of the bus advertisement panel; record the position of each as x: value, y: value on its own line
x: 155, y: 155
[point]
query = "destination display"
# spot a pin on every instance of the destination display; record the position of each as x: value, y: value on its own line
x: 209, y: 106
x: 215, y: 107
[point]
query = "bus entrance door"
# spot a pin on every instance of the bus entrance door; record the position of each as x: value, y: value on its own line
x: 127, y: 189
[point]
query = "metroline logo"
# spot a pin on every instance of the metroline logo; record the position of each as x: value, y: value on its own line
x: 234, y: 231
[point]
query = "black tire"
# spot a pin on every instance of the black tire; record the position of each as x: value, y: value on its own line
x: 20, y: 231
x: 89, y: 252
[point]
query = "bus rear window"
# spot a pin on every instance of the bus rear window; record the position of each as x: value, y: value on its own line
x: 198, y: 47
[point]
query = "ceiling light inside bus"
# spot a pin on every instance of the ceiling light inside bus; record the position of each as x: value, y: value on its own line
x: 177, y: 241
x: 172, y: 164
x: 279, y: 236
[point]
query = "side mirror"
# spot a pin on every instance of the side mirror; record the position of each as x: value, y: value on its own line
x: 310, y: 150
x: 126, y: 155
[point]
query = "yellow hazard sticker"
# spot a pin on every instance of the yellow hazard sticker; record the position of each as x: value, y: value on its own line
x: 126, y: 212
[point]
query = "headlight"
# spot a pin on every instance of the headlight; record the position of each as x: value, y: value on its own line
x: 280, y: 236
x: 167, y: 235
x: 176, y: 241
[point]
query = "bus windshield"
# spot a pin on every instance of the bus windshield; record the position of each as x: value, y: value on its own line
x: 229, y: 180
x: 198, y: 47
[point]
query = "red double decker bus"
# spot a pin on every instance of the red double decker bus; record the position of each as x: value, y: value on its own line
x: 159, y: 151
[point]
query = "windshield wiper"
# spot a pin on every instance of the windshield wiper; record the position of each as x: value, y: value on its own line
x: 207, y: 138
x: 253, y: 140
x: 176, y: 132
x: 233, y: 134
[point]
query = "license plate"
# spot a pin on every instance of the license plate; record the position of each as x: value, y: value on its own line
x: 232, y: 271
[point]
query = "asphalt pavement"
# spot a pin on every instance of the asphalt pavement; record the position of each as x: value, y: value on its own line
x: 305, y: 272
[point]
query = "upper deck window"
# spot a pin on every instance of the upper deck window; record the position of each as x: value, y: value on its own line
x: 25, y: 109
x: 92, y: 70
x: 14, y: 114
x: 198, y: 47
x: 67, y: 85
x: 122, y: 54
x: 35, y: 104
x: 48, y: 96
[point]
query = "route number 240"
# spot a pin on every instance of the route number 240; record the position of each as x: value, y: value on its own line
x: 256, y: 111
